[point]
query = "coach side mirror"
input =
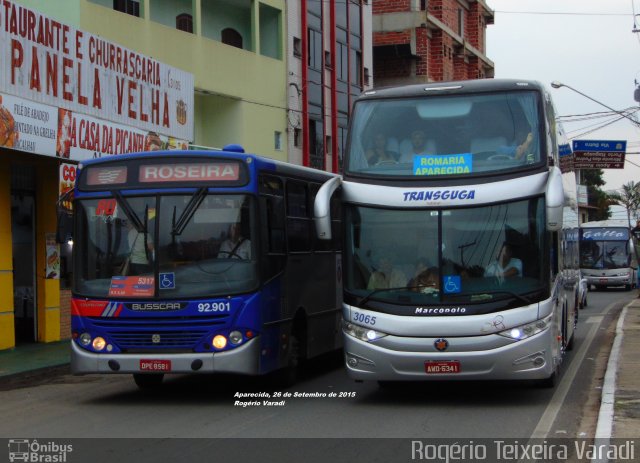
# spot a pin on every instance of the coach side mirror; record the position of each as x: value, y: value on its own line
x: 554, y: 197
x: 322, y: 208
x: 64, y: 210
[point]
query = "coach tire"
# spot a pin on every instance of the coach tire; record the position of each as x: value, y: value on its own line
x: 148, y: 381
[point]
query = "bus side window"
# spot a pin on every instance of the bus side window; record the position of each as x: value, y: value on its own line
x: 298, y: 219
x: 272, y: 228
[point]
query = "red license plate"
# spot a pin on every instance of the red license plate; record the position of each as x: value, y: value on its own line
x: 435, y: 367
x: 155, y: 365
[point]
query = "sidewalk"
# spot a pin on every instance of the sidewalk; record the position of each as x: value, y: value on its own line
x: 30, y: 358
x: 626, y: 406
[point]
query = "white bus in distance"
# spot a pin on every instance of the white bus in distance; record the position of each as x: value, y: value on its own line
x: 460, y: 234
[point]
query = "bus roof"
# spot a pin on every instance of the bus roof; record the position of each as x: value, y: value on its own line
x: 618, y: 223
x: 261, y: 162
x: 452, y: 88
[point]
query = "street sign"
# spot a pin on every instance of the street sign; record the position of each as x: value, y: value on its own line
x: 599, y: 154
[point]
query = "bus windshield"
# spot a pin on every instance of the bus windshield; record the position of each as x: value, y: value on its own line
x: 444, y: 136
x: 168, y: 246
x: 604, y: 254
x: 470, y: 255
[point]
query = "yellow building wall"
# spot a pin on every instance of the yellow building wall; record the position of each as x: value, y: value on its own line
x: 7, y: 329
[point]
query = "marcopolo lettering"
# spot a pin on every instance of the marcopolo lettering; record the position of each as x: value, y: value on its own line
x: 439, y: 195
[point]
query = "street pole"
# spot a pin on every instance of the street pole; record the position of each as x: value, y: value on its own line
x: 556, y: 84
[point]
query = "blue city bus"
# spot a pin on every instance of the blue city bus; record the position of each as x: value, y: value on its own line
x: 200, y: 262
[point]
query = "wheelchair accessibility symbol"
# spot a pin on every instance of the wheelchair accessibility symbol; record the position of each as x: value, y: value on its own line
x: 452, y: 284
x: 168, y: 280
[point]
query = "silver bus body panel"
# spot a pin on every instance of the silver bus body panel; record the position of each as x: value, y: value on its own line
x: 420, y: 197
x: 609, y: 277
x: 472, y: 340
x: 241, y: 360
x: 450, y: 325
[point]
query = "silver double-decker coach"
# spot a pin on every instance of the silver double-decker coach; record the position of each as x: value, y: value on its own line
x: 460, y: 234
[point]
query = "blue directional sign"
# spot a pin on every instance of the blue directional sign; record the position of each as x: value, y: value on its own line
x: 599, y: 154
x: 611, y: 146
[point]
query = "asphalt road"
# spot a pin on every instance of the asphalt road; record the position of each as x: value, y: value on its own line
x: 66, y: 406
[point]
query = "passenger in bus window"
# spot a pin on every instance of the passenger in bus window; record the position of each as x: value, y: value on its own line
x: 140, y: 251
x: 386, y: 276
x: 505, y: 265
x: 422, y: 264
x: 382, y: 150
x: 235, y: 246
x: 427, y: 282
x: 519, y: 148
x: 416, y: 145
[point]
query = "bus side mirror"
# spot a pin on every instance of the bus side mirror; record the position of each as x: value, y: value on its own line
x: 554, y: 197
x: 322, y: 208
x: 64, y: 230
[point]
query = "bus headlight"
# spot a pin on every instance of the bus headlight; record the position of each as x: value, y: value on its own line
x: 219, y: 342
x: 235, y: 337
x: 99, y: 343
x: 362, y: 333
x: 85, y: 339
x: 526, y: 331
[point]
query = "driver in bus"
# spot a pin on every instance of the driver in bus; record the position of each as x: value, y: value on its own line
x: 505, y: 265
x: 235, y: 246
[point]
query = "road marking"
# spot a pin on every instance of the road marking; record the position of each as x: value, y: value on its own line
x: 551, y: 412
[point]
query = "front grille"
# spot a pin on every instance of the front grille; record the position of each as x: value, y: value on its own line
x: 155, y: 333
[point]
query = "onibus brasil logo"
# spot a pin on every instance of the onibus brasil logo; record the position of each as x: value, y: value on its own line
x: 38, y: 452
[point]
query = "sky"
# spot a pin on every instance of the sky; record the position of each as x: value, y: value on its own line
x: 586, y: 44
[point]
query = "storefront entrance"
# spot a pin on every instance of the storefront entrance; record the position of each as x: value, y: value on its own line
x: 24, y: 247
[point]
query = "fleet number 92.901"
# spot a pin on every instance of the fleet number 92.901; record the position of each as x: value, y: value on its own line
x: 214, y: 307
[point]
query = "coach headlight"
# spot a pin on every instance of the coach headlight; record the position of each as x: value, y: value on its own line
x: 362, y: 333
x: 526, y: 331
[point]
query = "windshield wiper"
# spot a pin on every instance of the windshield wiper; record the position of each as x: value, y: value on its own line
x: 189, y: 210
x: 130, y: 213
x: 479, y: 294
x: 368, y: 296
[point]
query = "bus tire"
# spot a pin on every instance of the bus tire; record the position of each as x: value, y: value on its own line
x: 287, y: 376
x: 148, y: 381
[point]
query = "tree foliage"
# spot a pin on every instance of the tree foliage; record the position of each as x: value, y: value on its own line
x: 598, y: 198
x: 629, y: 198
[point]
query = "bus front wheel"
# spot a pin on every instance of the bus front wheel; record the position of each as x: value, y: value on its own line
x: 148, y: 381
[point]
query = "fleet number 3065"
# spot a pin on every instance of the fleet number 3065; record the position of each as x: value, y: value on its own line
x: 214, y: 307
x: 362, y: 318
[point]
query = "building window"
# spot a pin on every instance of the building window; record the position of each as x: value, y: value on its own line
x: 315, y: 49
x: 296, y: 137
x: 297, y: 47
x: 277, y: 141
x: 356, y: 68
x: 232, y: 37
x: 423, y: 5
x: 367, y: 76
x: 327, y: 59
x: 184, y: 22
x: 131, y: 7
x: 461, y: 22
